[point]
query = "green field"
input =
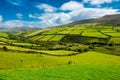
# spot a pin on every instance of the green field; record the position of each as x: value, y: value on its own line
x: 116, y: 34
x: 47, y: 37
x: 76, y: 31
x: 115, y: 40
x: 79, y: 52
x: 35, y: 32
x: 68, y: 72
x: 3, y: 34
x: 57, y: 38
x: 12, y: 60
x: 53, y: 31
x: 93, y: 33
x: 37, y: 37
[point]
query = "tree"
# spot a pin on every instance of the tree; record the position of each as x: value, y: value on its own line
x: 5, y: 48
x: 91, y: 46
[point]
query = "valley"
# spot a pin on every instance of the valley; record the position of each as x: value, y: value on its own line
x: 64, y: 48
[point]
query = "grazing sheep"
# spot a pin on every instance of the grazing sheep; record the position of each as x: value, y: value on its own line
x: 69, y: 62
x: 21, y: 60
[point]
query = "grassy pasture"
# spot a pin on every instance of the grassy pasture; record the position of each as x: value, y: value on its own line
x: 48, y: 52
x: 15, y: 48
x: 59, y: 52
x: 75, y: 31
x: 116, y: 34
x: 47, y: 38
x: 3, y: 39
x: 3, y: 34
x: 20, y: 63
x: 35, y: 32
x: 66, y: 31
x: 67, y: 72
x: 38, y: 37
x: 108, y: 31
x: 57, y: 38
x: 12, y: 60
x: 117, y: 28
x: 115, y: 40
x: 79, y: 27
x: 93, y: 34
x: 24, y: 44
x: 54, y: 31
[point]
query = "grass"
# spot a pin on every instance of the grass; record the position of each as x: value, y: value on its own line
x: 47, y: 38
x: 116, y: 34
x: 54, y: 52
x: 35, y: 32
x: 37, y: 37
x: 76, y: 31
x: 91, y: 65
x: 53, y: 31
x: 108, y: 31
x: 66, y: 31
x: 3, y: 34
x: 15, y: 48
x: 24, y: 44
x: 68, y: 72
x: 56, y: 34
x: 93, y: 33
x: 57, y: 38
x: 3, y: 39
x: 12, y: 60
x: 115, y: 40
x: 59, y: 52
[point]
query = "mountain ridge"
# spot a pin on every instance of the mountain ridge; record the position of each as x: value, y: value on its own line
x: 105, y: 20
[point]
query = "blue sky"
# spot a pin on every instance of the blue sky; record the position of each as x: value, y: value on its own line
x: 47, y: 13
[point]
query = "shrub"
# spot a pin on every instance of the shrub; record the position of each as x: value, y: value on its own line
x: 5, y: 48
x: 91, y: 47
x: 79, y: 50
x: 86, y: 49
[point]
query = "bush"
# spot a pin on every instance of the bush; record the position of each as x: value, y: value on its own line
x: 91, y: 47
x: 111, y: 44
x: 86, y: 49
x: 5, y: 48
x: 79, y: 50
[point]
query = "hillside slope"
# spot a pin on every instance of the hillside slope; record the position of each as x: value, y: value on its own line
x: 107, y: 20
x: 69, y: 72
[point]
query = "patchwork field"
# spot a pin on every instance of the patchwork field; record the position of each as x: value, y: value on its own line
x: 93, y: 33
x: 80, y: 52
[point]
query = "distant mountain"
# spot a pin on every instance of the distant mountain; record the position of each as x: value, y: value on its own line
x: 18, y: 29
x: 105, y: 20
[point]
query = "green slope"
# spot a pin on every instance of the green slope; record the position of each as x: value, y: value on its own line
x: 12, y: 60
x: 68, y: 72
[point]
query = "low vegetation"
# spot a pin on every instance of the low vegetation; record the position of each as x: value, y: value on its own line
x: 86, y: 52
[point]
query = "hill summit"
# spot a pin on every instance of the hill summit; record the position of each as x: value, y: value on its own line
x: 105, y: 20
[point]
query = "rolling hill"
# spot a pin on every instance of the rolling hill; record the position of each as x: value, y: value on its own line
x: 105, y: 20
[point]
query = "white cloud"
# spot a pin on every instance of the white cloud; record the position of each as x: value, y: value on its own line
x: 98, y: 2
x: 33, y: 16
x: 1, y: 18
x: 71, y: 5
x: 46, y: 8
x: 18, y: 23
x: 13, y: 23
x: 52, y: 18
x: 19, y: 15
x: 80, y: 12
x: 87, y: 13
x: 21, y: 23
x: 56, y: 18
